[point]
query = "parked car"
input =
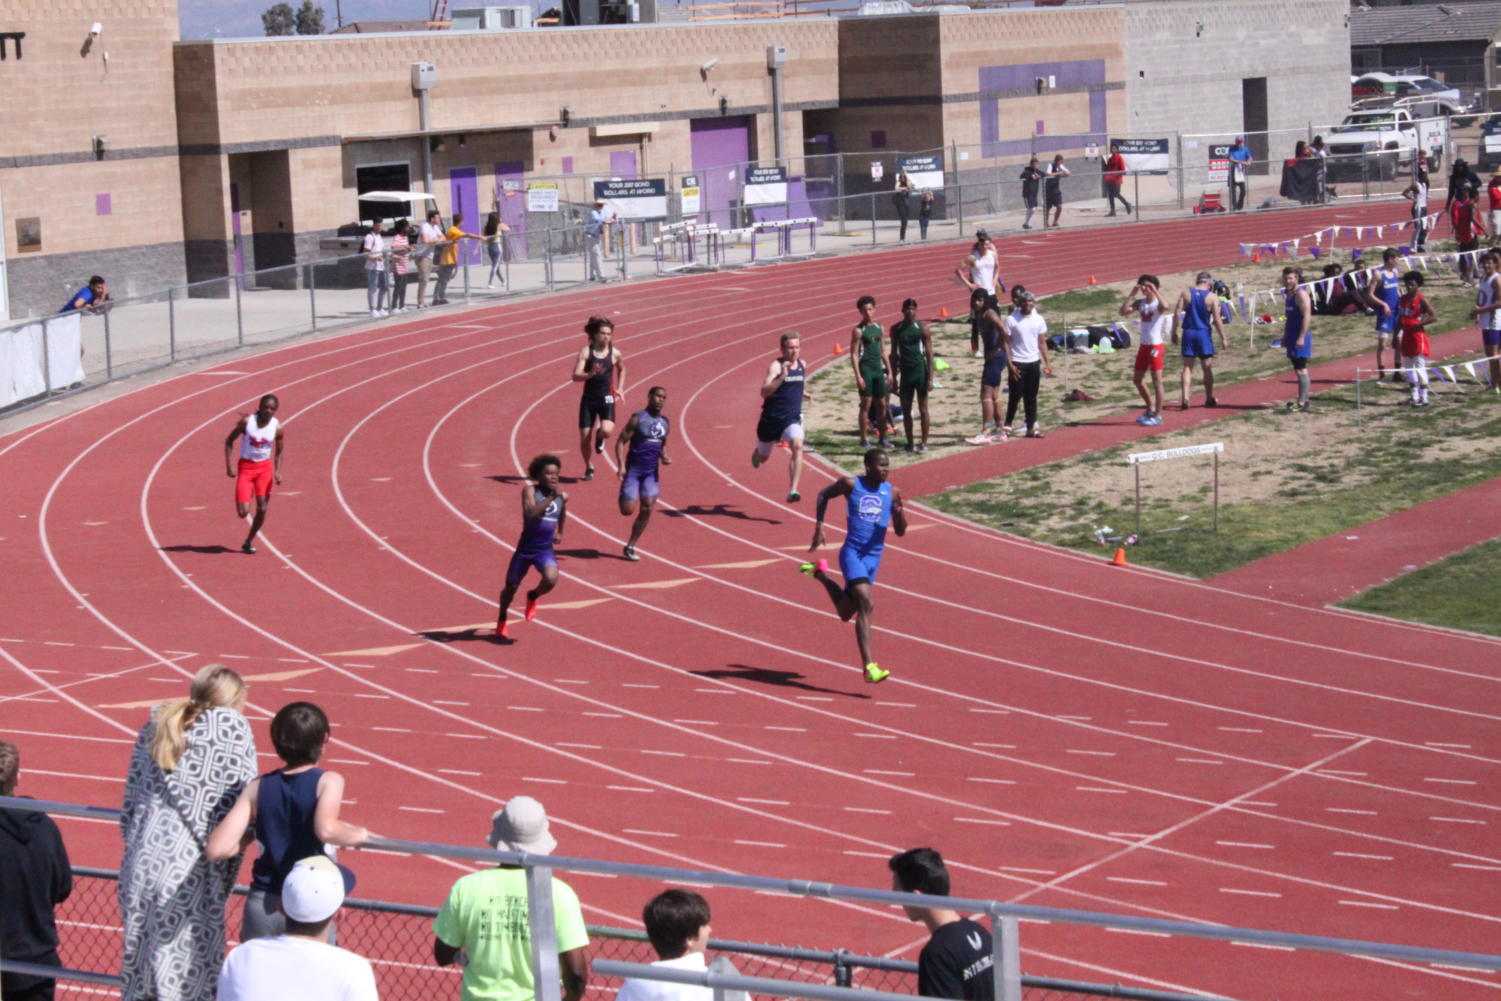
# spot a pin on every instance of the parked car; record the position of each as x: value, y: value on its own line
x: 1422, y: 95
x: 1382, y: 142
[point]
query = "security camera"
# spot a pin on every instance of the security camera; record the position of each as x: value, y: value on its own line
x: 706, y: 67
x: 95, y: 28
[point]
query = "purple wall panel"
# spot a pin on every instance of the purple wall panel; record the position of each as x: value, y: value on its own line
x: 623, y: 165
x: 720, y: 147
x: 513, y: 208
x: 464, y: 197
x: 1079, y: 72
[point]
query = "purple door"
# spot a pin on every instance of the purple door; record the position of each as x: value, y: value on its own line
x: 721, y: 147
x: 464, y: 197
x: 623, y: 165
x: 510, y: 190
x: 234, y: 228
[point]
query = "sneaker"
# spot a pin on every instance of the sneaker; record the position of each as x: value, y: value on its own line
x: 1152, y: 421
x: 531, y: 609
x: 588, y: 475
x: 1005, y: 429
x: 1397, y: 377
x: 1182, y: 404
x: 813, y: 569
x: 874, y: 674
x: 756, y: 460
x: 883, y: 443
x: 630, y: 554
x: 247, y: 548
x: 502, y: 629
x: 922, y: 447
x: 1026, y: 225
x: 1210, y: 401
x: 983, y: 438
x: 793, y: 497
x: 375, y: 314
x: 1034, y: 432
x: 909, y: 448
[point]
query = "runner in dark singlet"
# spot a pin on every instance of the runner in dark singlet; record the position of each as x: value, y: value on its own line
x: 601, y: 368
x: 911, y: 364
x: 543, y: 513
x: 782, y: 396
x: 647, y: 433
x: 871, y: 375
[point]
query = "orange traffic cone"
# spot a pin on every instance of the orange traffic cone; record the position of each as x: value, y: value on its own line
x: 1092, y: 280
x: 1256, y: 257
x: 838, y: 348
x: 1120, y: 558
x: 943, y: 312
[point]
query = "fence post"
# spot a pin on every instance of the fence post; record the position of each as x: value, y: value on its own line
x: 1136, y: 188
x: 959, y: 210
x: 1006, y: 955
x: 1182, y: 172
x: 547, y: 257
x: 463, y: 255
x: 842, y: 971
x: 109, y: 348
x: 872, y: 218
x: 47, y: 355
x: 171, y: 327
x: 239, y: 316
x: 839, y: 188
x: 312, y: 295
x: 545, y: 978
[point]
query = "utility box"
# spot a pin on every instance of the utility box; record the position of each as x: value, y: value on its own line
x: 491, y: 18
x: 776, y: 56
x: 424, y: 75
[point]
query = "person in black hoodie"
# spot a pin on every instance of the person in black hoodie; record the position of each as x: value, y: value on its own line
x: 34, y: 876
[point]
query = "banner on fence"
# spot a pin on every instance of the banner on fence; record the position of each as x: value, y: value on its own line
x: 23, y: 373
x: 1219, y: 163
x: 766, y: 186
x: 1146, y: 156
x: 691, y: 195
x: 1490, y: 144
x: 922, y: 171
x: 542, y: 196
x: 641, y: 199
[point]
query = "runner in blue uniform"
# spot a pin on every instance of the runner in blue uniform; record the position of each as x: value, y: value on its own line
x: 871, y: 505
x: 1197, y: 311
x: 782, y: 395
x: 1384, y: 293
x: 647, y: 433
x: 1297, y: 335
x: 543, y: 513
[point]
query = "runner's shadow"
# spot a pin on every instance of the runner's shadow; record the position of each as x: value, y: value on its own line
x: 474, y: 634
x: 588, y: 554
x: 718, y: 510
x: 206, y: 550
x: 766, y: 676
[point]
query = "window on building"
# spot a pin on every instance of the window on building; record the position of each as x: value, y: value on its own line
x: 382, y: 177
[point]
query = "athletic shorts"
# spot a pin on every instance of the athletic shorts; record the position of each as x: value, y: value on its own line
x: 875, y: 385
x: 1386, y: 323
x: 1299, y: 362
x: 521, y: 562
x: 1198, y: 344
x: 995, y: 370
x: 857, y: 566
x: 769, y: 432
x: 1053, y: 199
x: 639, y: 483
x: 1149, y: 357
x: 1297, y: 349
x: 592, y: 408
x: 915, y: 384
x: 255, y: 479
x: 1491, y: 338
x: 1415, y: 344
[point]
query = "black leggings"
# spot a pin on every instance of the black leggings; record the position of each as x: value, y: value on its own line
x: 1024, y: 390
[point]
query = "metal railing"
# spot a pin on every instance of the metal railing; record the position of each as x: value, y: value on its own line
x: 1005, y: 917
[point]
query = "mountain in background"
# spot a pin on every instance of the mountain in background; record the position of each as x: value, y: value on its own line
x: 242, y: 18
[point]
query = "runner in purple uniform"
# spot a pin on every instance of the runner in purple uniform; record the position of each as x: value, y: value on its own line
x: 543, y: 513
x: 647, y: 433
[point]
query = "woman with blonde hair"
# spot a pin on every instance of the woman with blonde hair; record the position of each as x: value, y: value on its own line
x: 190, y: 761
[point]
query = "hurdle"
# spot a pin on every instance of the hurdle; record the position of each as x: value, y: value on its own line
x: 676, y: 248
x: 1137, y: 459
x: 783, y: 230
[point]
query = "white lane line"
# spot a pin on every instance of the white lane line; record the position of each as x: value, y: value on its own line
x: 1199, y: 761
x: 392, y: 729
x: 1454, y: 782
x: 1260, y: 803
x: 898, y: 705
x: 604, y: 715
x: 816, y: 698
x: 1029, y: 872
x: 582, y: 747
x: 984, y: 778
x: 1119, y: 792
x: 1138, y: 931
x: 1002, y: 747
x: 787, y: 729
x: 1243, y: 844
x: 993, y: 712
x: 864, y: 809
x: 654, y: 834
x: 569, y: 681
x: 75, y: 775
x: 1263, y: 945
x: 860, y: 854
x: 1240, y: 729
x: 368, y: 695
x: 982, y: 820
x: 419, y: 809
x: 1346, y: 809
x: 1077, y: 719
x: 876, y: 736
x: 1098, y: 754
x: 1144, y: 722
x: 525, y: 709
x: 1129, y: 834
x: 551, y: 782
x: 458, y: 771
x: 882, y: 771
x: 664, y: 754
x: 73, y: 736
x: 1377, y: 858
x: 1369, y: 903
x: 1457, y: 820
x: 764, y: 802
x: 697, y: 722
x: 448, y: 702
x: 748, y: 761
x: 1249, y: 893
x: 1336, y: 771
x: 630, y: 788
x: 637, y: 684
x: 1136, y: 882
x: 759, y: 844
x: 1435, y: 743
x: 420, y: 670
x: 1472, y: 865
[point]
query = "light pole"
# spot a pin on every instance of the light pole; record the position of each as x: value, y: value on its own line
x: 776, y: 58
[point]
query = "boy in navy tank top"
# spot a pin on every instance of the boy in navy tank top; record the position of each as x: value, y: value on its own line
x: 1297, y: 335
x: 1384, y: 293
x: 1195, y: 315
x: 544, y: 509
x: 871, y: 505
x: 293, y: 813
x: 647, y: 433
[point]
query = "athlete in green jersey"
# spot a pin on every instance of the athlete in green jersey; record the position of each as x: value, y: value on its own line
x: 911, y: 368
x: 872, y: 376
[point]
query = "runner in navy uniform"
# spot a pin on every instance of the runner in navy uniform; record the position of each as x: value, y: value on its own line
x: 647, y: 433
x: 1384, y: 293
x: 601, y: 369
x: 543, y: 512
x: 871, y: 505
x: 782, y: 396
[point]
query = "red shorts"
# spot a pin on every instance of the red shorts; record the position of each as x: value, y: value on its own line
x: 1414, y: 343
x: 255, y: 480
x: 1149, y: 357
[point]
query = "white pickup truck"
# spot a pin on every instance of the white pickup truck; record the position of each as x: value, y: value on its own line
x: 1381, y: 143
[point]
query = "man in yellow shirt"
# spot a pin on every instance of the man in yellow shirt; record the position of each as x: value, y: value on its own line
x: 448, y: 258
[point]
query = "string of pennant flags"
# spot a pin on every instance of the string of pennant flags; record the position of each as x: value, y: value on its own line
x: 1477, y: 369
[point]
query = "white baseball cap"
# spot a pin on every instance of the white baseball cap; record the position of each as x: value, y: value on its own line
x: 314, y: 890
x: 521, y: 826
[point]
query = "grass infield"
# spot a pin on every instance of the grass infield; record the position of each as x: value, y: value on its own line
x: 1458, y: 592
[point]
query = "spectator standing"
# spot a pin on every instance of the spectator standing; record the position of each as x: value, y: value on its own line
x: 429, y: 235
x: 34, y: 877
x: 1318, y: 149
x: 1461, y: 176
x: 1493, y: 200
x: 1146, y: 302
x: 1487, y: 313
x: 1031, y: 178
x: 495, y: 247
x: 1026, y: 339
x: 1417, y: 193
x: 1465, y: 215
x: 292, y: 812
x: 301, y: 964
x: 191, y: 759
x: 485, y: 916
x: 595, y: 230
x: 448, y: 257
x: 1052, y: 191
x: 375, y: 271
x: 1240, y: 165
x: 901, y: 194
x: 1114, y: 176
x: 924, y: 212
x: 957, y: 961
x: 677, y: 923
x: 401, y: 264
x: 90, y: 298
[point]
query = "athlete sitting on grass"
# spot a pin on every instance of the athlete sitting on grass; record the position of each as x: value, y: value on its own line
x: 871, y: 505
x: 543, y: 513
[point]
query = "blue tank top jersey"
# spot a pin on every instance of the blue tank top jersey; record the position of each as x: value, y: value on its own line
x: 647, y: 442
x: 1292, y: 333
x: 1196, y: 316
x: 868, y: 512
x: 537, y: 534
x: 785, y: 405
x: 1391, y: 290
x: 284, y: 806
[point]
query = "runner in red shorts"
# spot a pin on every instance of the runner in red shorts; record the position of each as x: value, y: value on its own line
x: 260, y: 463
x: 1146, y: 302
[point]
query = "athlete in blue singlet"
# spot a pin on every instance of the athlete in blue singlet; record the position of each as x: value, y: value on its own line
x: 1197, y: 311
x: 647, y: 433
x: 1297, y: 335
x: 544, y: 509
x: 871, y: 505
x: 1384, y: 293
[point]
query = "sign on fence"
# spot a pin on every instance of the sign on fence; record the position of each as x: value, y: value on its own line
x: 31, y: 364
x: 1490, y: 144
x: 1219, y: 163
x: 766, y: 186
x: 690, y: 195
x: 639, y: 199
x: 922, y: 171
x: 542, y: 196
x: 1147, y: 156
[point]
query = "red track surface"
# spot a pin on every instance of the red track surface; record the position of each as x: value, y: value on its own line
x: 1066, y: 735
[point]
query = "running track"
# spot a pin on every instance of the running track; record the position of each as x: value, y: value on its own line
x: 1067, y: 735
